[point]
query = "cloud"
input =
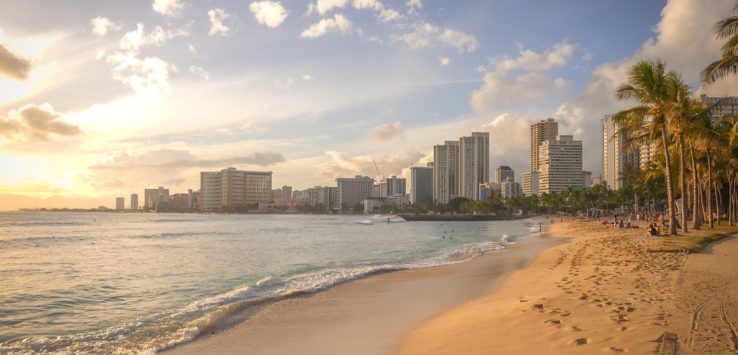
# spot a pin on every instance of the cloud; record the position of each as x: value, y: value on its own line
x: 286, y: 84
x: 507, y: 131
x: 269, y: 13
x: 324, y: 6
x: 341, y: 164
x: 338, y: 24
x: 385, y: 14
x: 173, y: 160
x: 426, y: 35
x: 131, y: 170
x: 133, y: 41
x: 13, y: 65
x: 168, y: 7
x: 555, y: 57
x: 199, y: 71
x: 501, y: 89
x: 146, y: 76
x: 414, y: 4
x: 35, y: 123
x: 217, y: 16
x: 444, y: 61
x: 523, y: 78
x: 101, y: 26
x: 387, y: 131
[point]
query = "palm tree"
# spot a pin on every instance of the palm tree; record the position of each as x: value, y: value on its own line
x: 726, y: 29
x: 679, y: 116
x: 647, y: 85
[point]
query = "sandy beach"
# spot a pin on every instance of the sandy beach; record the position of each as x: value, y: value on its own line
x: 603, y: 291
x: 585, y: 288
x: 366, y: 316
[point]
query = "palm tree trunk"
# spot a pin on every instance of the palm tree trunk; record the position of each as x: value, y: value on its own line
x: 730, y: 202
x: 683, y: 183
x: 696, y: 216
x: 667, y: 175
x: 709, y: 189
x: 718, y: 202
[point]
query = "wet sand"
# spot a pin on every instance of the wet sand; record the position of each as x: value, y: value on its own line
x: 367, y: 316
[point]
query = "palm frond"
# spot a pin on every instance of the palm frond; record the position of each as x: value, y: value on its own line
x: 720, y: 69
x: 726, y: 27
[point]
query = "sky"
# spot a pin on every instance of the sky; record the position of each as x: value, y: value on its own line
x: 105, y: 98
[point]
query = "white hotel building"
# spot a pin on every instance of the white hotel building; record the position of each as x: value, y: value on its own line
x: 230, y: 188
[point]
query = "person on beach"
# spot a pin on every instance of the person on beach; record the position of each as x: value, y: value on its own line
x: 540, y: 230
x: 652, y: 230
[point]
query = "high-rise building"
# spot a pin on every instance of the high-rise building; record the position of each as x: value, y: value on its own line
x: 286, y: 191
x: 560, y: 164
x: 489, y: 191
x: 587, y: 179
x: 179, y: 201
x: 647, y: 155
x: 353, y: 191
x: 323, y: 197
x: 473, y: 164
x: 231, y: 188
x: 540, y: 132
x: 421, y: 184
x: 616, y: 155
x: 504, y: 172
x: 120, y: 203
x: 134, y: 201
x: 193, y: 199
x: 510, y: 189
x: 531, y: 184
x: 393, y: 186
x: 258, y: 187
x: 720, y: 106
x: 153, y: 197
x: 446, y: 171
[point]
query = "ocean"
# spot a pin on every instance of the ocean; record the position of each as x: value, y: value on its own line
x: 145, y: 282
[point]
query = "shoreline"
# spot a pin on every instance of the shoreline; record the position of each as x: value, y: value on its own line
x: 369, y: 315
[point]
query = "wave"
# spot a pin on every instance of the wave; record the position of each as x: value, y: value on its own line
x: 43, y: 223
x: 158, y: 332
x: 168, y: 235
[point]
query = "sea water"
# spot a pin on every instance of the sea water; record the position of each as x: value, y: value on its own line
x: 144, y: 282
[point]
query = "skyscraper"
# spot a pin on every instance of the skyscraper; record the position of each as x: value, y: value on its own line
x: 503, y: 172
x: 473, y: 164
x: 134, y: 201
x: 120, y: 203
x: 540, y: 132
x: 421, y: 184
x: 446, y: 171
x: 615, y: 155
x: 560, y: 164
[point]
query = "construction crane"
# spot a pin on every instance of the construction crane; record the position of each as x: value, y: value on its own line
x: 377, y: 169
